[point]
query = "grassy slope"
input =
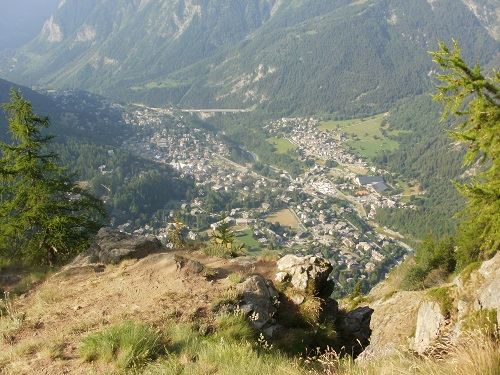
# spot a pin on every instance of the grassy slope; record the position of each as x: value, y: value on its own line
x: 85, y: 322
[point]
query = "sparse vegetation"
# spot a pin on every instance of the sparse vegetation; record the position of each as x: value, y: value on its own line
x: 10, y: 319
x: 476, y: 353
x: 209, y: 273
x: 236, y: 277
x: 216, y: 250
x: 444, y: 297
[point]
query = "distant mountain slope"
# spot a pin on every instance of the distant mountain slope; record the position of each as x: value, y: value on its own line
x: 296, y: 56
x: 41, y: 103
x: 21, y: 20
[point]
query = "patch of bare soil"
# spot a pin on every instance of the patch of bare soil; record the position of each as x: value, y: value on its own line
x: 56, y: 315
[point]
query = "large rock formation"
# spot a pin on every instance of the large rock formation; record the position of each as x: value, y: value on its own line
x: 306, y: 273
x: 414, y: 320
x: 259, y: 300
x: 430, y: 325
x: 482, y: 287
x: 111, y: 246
x: 356, y: 325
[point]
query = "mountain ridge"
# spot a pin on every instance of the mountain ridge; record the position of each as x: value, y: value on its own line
x: 283, y: 57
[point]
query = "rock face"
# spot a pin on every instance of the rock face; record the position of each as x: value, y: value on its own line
x: 430, y: 324
x: 189, y: 266
x: 308, y: 272
x: 357, y: 326
x: 110, y: 246
x: 488, y: 295
x: 259, y: 298
x: 400, y: 315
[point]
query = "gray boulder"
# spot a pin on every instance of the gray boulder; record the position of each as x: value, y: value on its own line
x: 430, y: 324
x: 488, y: 295
x: 258, y: 301
x: 111, y: 246
x: 308, y: 272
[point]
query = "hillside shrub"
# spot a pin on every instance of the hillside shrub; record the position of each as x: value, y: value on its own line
x: 435, y: 260
x: 443, y: 297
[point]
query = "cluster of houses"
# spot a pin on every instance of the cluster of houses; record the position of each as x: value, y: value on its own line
x: 304, y: 134
x: 165, y: 138
x: 191, y: 151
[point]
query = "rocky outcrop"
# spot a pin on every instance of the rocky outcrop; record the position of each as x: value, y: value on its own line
x: 111, y: 246
x: 356, y: 325
x: 258, y: 302
x: 306, y: 273
x: 430, y: 325
x: 480, y: 289
x: 412, y: 320
x: 309, y: 280
x: 488, y: 294
x: 188, y: 265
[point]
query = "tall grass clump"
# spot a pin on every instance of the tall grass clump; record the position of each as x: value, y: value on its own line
x: 235, y: 327
x: 10, y: 319
x: 127, y: 345
x: 221, y: 354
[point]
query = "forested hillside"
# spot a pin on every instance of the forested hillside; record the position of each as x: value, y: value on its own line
x: 297, y: 57
x: 88, y: 132
x: 427, y: 157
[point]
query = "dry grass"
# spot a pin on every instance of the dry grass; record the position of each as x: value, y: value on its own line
x: 237, y: 277
x: 476, y: 353
x: 285, y: 217
x: 267, y: 255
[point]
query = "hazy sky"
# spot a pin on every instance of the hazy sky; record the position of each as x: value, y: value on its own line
x: 21, y: 20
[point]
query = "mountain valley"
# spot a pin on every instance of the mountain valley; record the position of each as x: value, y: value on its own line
x: 241, y: 149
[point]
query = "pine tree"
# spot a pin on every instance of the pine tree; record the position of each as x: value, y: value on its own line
x: 224, y: 235
x: 44, y: 216
x: 476, y: 98
x: 176, y: 236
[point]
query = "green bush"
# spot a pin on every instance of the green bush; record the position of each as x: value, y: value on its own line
x: 414, y: 278
x: 435, y: 260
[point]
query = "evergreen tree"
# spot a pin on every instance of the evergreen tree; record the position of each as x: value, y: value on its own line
x: 44, y: 216
x: 176, y: 236
x: 475, y: 97
x: 224, y: 235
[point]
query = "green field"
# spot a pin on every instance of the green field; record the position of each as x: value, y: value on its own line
x: 245, y: 237
x: 334, y: 125
x: 364, y: 135
x: 282, y: 145
x: 371, y: 147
